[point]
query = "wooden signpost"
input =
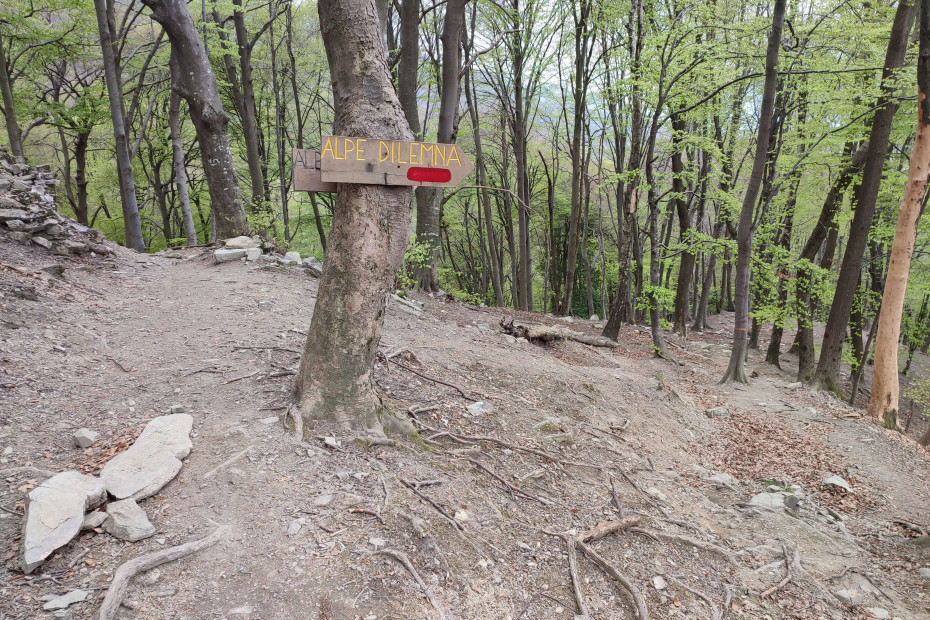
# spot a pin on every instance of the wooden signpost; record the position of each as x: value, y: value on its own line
x: 368, y: 161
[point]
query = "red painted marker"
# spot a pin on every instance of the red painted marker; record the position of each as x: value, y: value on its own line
x: 429, y: 175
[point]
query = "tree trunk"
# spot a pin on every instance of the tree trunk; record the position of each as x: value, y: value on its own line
x: 132, y: 225
x: 14, y: 133
x: 736, y: 370
x: 828, y: 368
x: 197, y: 85
x: 368, y: 236
x: 883, y: 403
x: 180, y: 171
x: 686, y: 266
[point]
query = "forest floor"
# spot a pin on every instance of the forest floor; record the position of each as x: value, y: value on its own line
x: 120, y: 340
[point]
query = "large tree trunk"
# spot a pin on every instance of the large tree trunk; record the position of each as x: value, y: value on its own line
x: 197, y: 85
x: 368, y: 237
x: 736, y: 370
x: 180, y: 171
x: 13, y: 131
x: 828, y: 368
x: 131, y: 223
x: 883, y: 403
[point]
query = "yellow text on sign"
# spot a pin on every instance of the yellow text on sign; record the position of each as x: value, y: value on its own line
x: 396, y: 152
x: 344, y: 148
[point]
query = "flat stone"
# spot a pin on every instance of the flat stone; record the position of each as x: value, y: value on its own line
x: 93, y: 520
x: 837, y: 481
x: 291, y: 258
x: 659, y: 583
x: 879, y: 612
x: 717, y: 412
x: 62, y: 602
x: 15, y: 225
x: 13, y: 213
x: 127, y: 521
x: 152, y: 461
x: 45, y: 243
x: 323, y: 500
x: 768, y: 500
x: 253, y: 254
x: 723, y: 479
x: 794, y: 386
x: 54, y: 514
x: 225, y: 256
x: 84, y: 438
x: 240, y: 243
x: 925, y: 573
x: 177, y: 409
x: 480, y: 408
x: 269, y: 420
x: 293, y: 528
x: 656, y: 494
x: 377, y: 542
x: 849, y: 597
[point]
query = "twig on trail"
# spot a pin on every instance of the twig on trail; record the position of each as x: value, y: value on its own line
x: 387, y: 496
x: 710, y: 547
x: 235, y: 457
x: 513, y: 446
x: 75, y: 559
x: 365, y: 511
x: 788, y: 574
x: 424, y: 483
x: 130, y: 569
x: 269, y: 348
x: 714, y: 610
x: 514, y: 491
x: 618, y: 576
x: 615, y: 496
x: 281, y: 373
x: 119, y: 365
x: 441, y: 510
x: 233, y: 380
x: 910, y: 526
x: 573, y: 571
x: 636, y: 486
x: 209, y: 369
x: 609, y: 527
x: 401, y: 557
x: 435, y: 380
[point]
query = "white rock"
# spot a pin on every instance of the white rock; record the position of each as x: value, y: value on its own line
x: 879, y: 612
x: 594, y: 317
x: 54, y: 514
x: 244, y: 610
x: 479, y: 408
x: 127, y: 521
x: 93, y: 520
x: 794, y: 386
x: 252, y: 254
x: 724, y: 479
x: 240, y: 243
x: 768, y: 500
x: 656, y: 494
x: 925, y: 573
x: 849, y: 597
x: 293, y: 528
x: 269, y: 420
x: 84, y: 438
x: 225, y: 256
x: 837, y: 481
x: 377, y: 542
x: 323, y: 500
x: 659, y: 583
x: 62, y: 602
x: 291, y: 258
x: 152, y: 461
x: 461, y: 515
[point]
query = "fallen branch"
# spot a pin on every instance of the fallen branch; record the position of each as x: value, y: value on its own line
x: 576, y: 580
x: 618, y: 576
x: 546, y: 333
x: 434, y: 380
x: 601, y: 530
x: 714, y: 610
x: 235, y: 457
x: 401, y: 557
x: 441, y: 510
x: 130, y: 569
x: 234, y: 379
x: 514, y: 491
x: 788, y: 574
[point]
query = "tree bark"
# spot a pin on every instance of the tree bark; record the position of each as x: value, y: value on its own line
x: 14, y: 133
x: 197, y: 85
x: 368, y: 236
x: 883, y: 404
x: 828, y: 368
x: 132, y: 225
x: 686, y: 266
x: 180, y: 171
x: 736, y: 370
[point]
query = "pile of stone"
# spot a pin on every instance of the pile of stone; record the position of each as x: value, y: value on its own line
x: 59, y: 508
x: 253, y: 249
x: 28, y: 211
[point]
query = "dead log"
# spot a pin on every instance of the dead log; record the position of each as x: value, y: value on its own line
x: 547, y: 333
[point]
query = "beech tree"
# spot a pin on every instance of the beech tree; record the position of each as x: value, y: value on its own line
x: 883, y: 402
x: 368, y: 236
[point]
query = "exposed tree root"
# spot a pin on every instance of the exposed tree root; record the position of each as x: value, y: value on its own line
x: 608, y: 568
x: 788, y: 573
x: 601, y: 530
x: 714, y: 610
x: 401, y: 557
x: 710, y: 547
x: 130, y: 569
x: 433, y: 379
x: 576, y: 580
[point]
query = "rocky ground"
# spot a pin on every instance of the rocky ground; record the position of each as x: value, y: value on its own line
x: 720, y: 487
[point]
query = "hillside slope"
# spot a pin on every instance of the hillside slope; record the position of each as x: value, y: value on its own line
x: 570, y: 435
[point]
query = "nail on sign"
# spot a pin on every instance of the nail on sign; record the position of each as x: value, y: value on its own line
x: 392, y: 162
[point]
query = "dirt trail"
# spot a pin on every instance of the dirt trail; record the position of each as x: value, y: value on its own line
x: 122, y: 340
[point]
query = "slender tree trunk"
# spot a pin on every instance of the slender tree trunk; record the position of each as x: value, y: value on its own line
x: 197, y: 85
x: 736, y: 370
x: 828, y: 368
x: 686, y: 265
x: 132, y: 225
x: 180, y: 170
x: 883, y: 403
x: 247, y: 113
x: 368, y: 236
x: 13, y: 131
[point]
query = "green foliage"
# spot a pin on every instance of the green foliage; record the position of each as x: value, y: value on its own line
x: 416, y: 255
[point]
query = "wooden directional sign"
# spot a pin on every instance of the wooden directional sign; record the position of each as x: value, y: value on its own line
x: 392, y: 162
x: 307, y: 172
